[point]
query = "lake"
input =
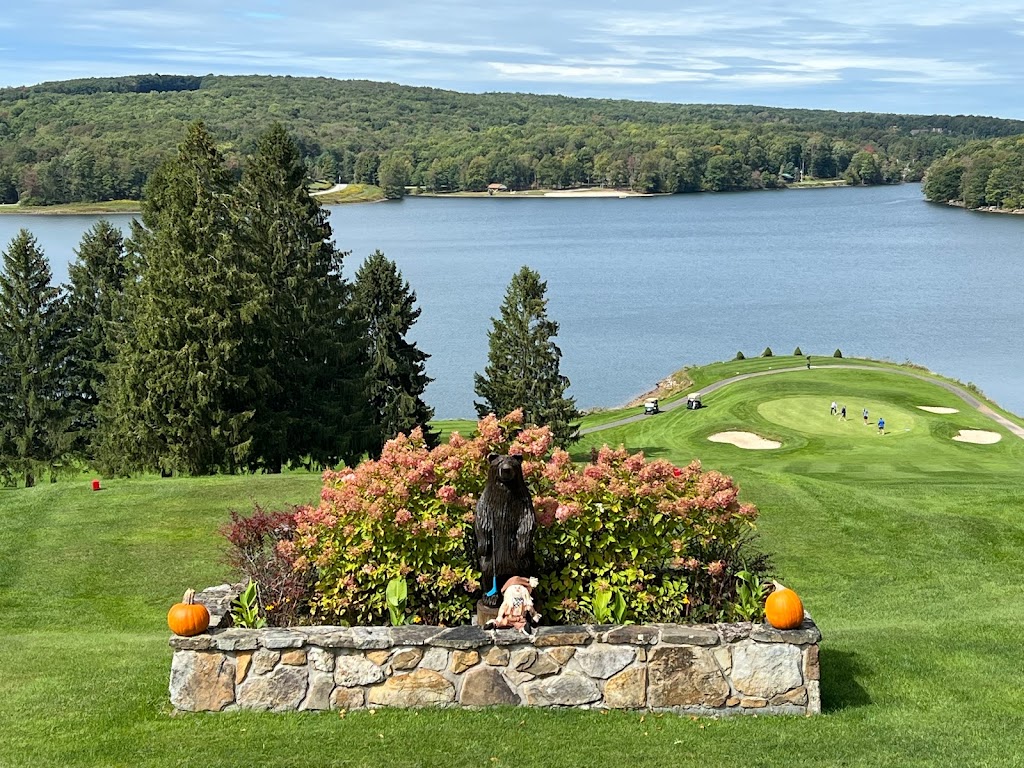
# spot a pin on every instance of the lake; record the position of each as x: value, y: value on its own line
x: 643, y: 286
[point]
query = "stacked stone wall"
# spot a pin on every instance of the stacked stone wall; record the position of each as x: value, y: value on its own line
x: 719, y: 669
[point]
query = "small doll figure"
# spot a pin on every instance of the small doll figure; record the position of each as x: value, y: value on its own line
x: 516, y: 609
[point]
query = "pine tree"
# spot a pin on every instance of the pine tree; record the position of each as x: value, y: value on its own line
x: 96, y: 307
x: 305, y: 355
x: 523, y: 362
x: 33, y: 321
x: 387, y: 308
x: 178, y: 403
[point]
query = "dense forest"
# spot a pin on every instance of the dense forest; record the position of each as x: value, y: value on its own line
x: 100, y: 139
x: 983, y: 174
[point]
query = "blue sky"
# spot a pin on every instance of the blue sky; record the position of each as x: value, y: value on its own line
x: 940, y: 56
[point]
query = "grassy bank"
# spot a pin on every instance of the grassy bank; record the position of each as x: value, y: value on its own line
x: 816, y: 184
x: 906, y: 547
x: 353, y: 193
x: 69, y: 209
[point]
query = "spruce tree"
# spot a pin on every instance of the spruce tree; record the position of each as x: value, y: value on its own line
x: 386, y: 306
x: 33, y: 321
x: 178, y: 401
x: 305, y: 355
x: 523, y: 362
x: 96, y: 307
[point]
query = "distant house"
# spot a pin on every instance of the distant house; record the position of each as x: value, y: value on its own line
x: 492, y: 188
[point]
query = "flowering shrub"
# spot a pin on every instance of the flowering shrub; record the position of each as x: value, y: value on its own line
x: 407, y: 515
x: 665, y: 542
x: 668, y: 540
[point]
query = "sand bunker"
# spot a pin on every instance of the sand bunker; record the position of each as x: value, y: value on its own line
x: 981, y: 436
x: 745, y: 440
x: 937, y: 409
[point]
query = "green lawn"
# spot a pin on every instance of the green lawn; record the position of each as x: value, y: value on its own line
x: 908, y: 549
x: 353, y: 193
x: 108, y: 206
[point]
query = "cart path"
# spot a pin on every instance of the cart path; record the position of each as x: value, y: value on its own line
x: 963, y: 394
x: 335, y: 188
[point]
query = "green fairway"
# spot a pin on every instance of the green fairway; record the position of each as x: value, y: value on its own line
x: 907, y: 548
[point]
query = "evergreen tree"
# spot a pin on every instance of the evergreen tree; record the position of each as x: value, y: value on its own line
x: 99, y: 276
x: 387, y: 308
x: 178, y: 402
x: 304, y: 355
x: 393, y: 176
x: 33, y: 320
x: 523, y: 362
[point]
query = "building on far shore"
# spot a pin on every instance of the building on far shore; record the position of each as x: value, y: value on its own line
x: 492, y: 188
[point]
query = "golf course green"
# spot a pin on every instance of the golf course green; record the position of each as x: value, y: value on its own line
x: 907, y: 547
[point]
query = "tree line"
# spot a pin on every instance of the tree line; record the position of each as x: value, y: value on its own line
x: 221, y: 336
x: 984, y: 174
x: 101, y: 139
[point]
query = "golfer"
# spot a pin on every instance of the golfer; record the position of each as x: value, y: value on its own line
x: 881, y: 426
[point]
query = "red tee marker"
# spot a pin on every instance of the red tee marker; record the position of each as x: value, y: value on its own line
x: 95, y: 485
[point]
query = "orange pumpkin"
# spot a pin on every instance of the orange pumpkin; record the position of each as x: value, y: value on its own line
x: 188, y: 617
x: 783, y: 608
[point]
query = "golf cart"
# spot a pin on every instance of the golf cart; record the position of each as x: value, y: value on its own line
x: 693, y: 401
x: 650, y: 406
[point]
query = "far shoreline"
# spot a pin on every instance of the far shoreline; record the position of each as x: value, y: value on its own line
x: 985, y: 209
x: 134, y: 206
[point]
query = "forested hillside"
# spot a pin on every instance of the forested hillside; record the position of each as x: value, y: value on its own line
x: 99, y: 139
x: 984, y: 174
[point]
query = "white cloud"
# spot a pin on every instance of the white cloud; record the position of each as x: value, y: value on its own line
x: 691, y: 23
x: 593, y: 74
x: 142, y: 19
x: 941, y: 13
x: 874, y: 14
x: 776, y: 79
x: 440, y: 48
x: 647, y: 76
x: 646, y: 57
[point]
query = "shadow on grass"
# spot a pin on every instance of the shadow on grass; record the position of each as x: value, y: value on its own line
x: 588, y: 456
x: 839, y: 687
x: 649, y: 451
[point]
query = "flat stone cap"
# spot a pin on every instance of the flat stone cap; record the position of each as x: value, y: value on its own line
x: 470, y: 637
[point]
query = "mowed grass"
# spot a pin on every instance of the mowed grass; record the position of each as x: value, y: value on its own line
x: 908, y: 549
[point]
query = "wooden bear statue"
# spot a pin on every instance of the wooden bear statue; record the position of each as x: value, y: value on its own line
x: 504, y: 526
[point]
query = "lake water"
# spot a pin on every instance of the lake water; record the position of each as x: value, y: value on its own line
x: 643, y: 286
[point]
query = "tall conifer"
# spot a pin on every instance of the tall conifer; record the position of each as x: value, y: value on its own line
x: 179, y: 402
x: 33, y: 320
x: 99, y: 276
x: 523, y: 362
x: 305, y: 354
x: 387, y: 307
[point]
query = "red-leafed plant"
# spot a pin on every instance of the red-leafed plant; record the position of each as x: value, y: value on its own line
x: 258, y: 548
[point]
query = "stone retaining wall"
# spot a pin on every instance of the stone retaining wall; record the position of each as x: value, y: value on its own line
x: 705, y: 670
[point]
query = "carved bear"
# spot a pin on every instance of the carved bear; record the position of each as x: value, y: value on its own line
x: 504, y: 526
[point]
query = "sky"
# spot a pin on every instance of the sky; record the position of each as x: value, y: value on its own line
x: 937, y: 56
